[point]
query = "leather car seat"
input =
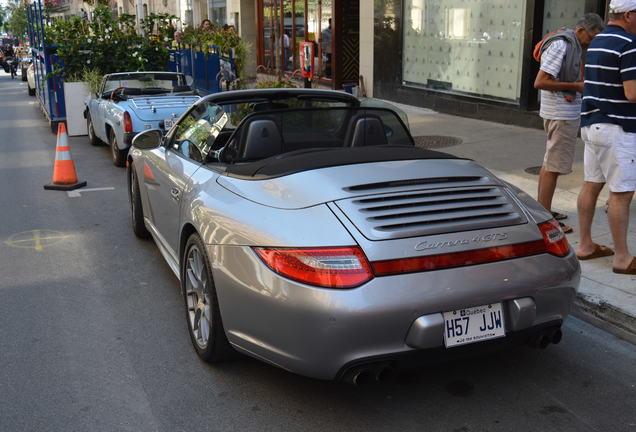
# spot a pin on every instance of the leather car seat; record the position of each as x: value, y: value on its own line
x: 262, y: 139
x: 366, y: 130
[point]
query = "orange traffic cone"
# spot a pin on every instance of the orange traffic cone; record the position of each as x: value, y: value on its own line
x: 64, y: 176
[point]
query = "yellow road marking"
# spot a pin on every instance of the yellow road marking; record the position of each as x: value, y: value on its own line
x: 40, y: 238
x: 36, y: 239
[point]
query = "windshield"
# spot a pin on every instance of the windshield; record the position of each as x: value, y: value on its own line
x: 147, y: 83
x: 208, y: 126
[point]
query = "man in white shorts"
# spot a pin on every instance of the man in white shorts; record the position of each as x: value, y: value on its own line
x: 608, y: 127
x: 561, y: 83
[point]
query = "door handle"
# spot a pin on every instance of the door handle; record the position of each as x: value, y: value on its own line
x: 175, y: 193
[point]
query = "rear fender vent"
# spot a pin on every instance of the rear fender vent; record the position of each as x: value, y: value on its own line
x: 434, y: 211
x: 415, y: 182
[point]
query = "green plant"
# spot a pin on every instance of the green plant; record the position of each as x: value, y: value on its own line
x: 107, y: 44
x: 229, y: 43
x: 71, y: 37
x: 282, y: 83
x: 159, y: 25
x: 93, y: 78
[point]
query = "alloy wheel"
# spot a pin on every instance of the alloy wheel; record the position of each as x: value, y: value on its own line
x: 198, y: 297
x: 113, y: 146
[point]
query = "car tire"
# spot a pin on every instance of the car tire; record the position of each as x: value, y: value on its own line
x: 136, y: 209
x: 201, y: 304
x: 118, y: 155
x: 92, y: 138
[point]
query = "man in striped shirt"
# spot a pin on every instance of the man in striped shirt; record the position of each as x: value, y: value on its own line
x: 608, y: 127
x: 560, y: 79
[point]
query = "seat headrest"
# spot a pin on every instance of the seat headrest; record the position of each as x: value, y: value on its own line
x: 262, y: 140
x: 368, y: 131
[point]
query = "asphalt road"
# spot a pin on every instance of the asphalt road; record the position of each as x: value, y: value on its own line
x: 93, y: 335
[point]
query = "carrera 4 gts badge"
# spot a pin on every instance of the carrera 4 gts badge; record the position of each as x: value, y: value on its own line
x: 425, y: 245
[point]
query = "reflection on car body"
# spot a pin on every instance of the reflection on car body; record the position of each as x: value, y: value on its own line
x: 309, y: 232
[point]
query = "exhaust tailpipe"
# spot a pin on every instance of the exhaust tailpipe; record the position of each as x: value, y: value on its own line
x: 546, y: 337
x: 384, y: 374
x: 359, y: 377
x: 366, y: 374
x: 556, y: 336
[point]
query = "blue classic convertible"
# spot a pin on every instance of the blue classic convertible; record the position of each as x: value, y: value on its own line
x: 132, y: 102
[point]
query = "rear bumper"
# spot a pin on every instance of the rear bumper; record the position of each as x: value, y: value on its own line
x: 318, y: 332
x: 426, y: 357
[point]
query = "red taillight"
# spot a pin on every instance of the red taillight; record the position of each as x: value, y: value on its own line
x: 555, y: 241
x: 457, y: 259
x: 336, y: 267
x: 127, y: 122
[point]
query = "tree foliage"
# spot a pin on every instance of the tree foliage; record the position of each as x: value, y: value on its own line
x: 225, y: 40
x: 16, y: 21
x: 107, y: 44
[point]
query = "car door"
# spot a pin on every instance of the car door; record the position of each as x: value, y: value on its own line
x: 171, y: 168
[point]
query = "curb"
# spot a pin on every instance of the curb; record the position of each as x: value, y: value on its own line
x: 605, y: 316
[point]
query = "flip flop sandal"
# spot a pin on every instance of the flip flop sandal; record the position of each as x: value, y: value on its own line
x: 559, y: 216
x: 630, y: 270
x: 566, y: 228
x: 599, y: 252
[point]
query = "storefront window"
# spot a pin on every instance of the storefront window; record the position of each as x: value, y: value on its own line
x: 463, y: 46
x: 565, y: 13
x: 303, y: 20
x: 217, y: 11
x: 296, y: 29
x: 270, y: 32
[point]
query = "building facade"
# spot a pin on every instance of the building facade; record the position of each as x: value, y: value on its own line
x: 332, y: 26
x: 466, y: 57
x: 219, y: 12
x: 148, y: 7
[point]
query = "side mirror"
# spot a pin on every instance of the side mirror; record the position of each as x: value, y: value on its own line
x: 148, y: 140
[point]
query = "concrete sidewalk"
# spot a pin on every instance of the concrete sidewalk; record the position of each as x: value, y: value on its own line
x: 606, y: 299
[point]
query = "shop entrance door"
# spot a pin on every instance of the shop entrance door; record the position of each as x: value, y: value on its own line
x: 332, y: 25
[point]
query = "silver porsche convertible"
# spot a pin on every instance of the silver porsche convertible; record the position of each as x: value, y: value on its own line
x: 310, y: 232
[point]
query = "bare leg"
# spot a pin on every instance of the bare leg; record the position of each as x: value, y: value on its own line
x: 586, y: 205
x: 547, y: 186
x: 618, y: 216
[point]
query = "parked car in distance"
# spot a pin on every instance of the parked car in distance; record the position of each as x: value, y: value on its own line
x: 31, y: 79
x: 310, y: 232
x: 132, y: 102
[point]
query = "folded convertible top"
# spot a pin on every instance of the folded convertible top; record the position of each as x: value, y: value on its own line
x: 316, y: 158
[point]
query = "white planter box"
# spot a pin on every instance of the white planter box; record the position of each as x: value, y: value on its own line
x: 75, y: 96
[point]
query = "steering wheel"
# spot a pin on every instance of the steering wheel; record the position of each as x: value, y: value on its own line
x: 112, y: 94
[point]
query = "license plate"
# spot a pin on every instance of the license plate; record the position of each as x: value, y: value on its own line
x: 475, y: 324
x: 167, y: 123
